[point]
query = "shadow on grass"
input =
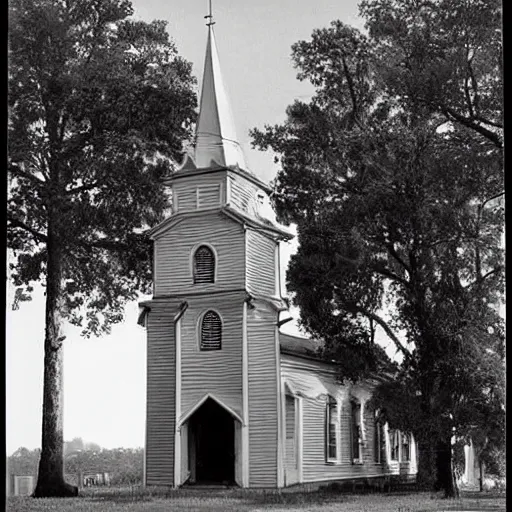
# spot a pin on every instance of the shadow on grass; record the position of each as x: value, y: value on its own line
x: 302, y: 498
x: 248, y: 497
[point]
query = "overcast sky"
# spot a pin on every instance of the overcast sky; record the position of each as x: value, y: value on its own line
x: 105, y: 379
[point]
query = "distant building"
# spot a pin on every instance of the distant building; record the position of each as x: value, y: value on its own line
x: 18, y: 485
x: 94, y: 479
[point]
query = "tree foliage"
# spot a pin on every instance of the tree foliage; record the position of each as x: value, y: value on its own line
x: 124, y: 465
x: 100, y: 106
x: 393, y: 175
x: 98, y: 103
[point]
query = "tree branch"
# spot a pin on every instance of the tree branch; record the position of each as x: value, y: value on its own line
x: 383, y: 271
x: 376, y: 318
x: 470, y: 123
x: 353, y: 97
x: 16, y: 223
x: 393, y: 252
x: 15, y: 169
x: 491, y: 198
x: 485, y: 276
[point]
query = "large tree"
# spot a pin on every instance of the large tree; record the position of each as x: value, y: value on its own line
x: 99, y: 105
x: 393, y: 175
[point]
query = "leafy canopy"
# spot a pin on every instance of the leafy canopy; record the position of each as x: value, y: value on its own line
x: 99, y: 107
x: 393, y: 175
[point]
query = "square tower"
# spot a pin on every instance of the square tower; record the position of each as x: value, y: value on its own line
x: 213, y: 359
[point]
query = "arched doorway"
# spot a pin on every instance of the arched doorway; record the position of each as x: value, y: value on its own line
x: 212, y: 445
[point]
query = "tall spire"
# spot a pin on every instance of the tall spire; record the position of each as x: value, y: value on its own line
x: 216, y: 142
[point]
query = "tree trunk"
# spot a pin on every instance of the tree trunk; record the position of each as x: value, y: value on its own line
x: 445, y: 473
x: 50, y: 480
x: 427, y: 472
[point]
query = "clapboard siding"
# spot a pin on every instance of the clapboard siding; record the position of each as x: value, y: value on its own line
x: 260, y: 267
x: 243, y: 193
x: 208, y: 196
x: 218, y: 372
x: 263, y: 397
x: 314, y: 464
x: 315, y: 467
x: 211, y: 191
x: 161, y: 385
x: 173, y: 253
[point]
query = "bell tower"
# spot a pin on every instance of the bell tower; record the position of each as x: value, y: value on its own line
x: 213, y: 359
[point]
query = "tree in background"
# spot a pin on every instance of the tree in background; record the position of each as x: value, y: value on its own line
x: 393, y: 175
x: 99, y: 105
x: 124, y: 465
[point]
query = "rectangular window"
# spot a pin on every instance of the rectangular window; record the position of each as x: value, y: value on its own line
x: 406, y: 448
x: 332, y: 430
x: 290, y: 417
x: 379, y: 448
x: 394, y: 440
x: 356, y: 431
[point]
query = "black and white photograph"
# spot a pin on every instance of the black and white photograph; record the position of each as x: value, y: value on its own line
x: 255, y: 256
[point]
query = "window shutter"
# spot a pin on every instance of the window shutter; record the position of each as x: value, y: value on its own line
x: 211, y: 331
x: 204, y: 265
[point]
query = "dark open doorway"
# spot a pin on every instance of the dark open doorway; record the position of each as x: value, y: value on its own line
x: 212, y: 443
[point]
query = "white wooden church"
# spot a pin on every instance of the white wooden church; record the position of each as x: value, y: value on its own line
x: 230, y: 398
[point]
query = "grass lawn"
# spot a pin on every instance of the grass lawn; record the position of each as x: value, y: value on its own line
x: 237, y: 500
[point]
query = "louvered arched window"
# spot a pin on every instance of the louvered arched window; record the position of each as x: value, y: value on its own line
x: 211, y: 331
x: 204, y: 265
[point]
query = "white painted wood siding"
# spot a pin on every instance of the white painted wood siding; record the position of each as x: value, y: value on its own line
x: 160, y: 405
x: 208, y: 196
x: 263, y: 397
x: 205, y: 191
x: 173, y: 253
x: 315, y: 467
x: 218, y: 372
x: 261, y: 264
x: 243, y: 193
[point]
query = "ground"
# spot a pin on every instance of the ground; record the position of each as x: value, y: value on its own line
x: 236, y: 500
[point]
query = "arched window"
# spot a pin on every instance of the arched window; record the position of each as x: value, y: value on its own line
x: 204, y: 265
x: 211, y: 331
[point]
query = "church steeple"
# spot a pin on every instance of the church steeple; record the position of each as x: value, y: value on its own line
x: 216, y: 142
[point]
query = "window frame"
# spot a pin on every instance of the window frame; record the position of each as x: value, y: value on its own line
x: 392, y: 433
x: 332, y: 402
x: 355, y: 405
x: 200, y: 329
x: 192, y: 262
x: 379, y: 440
x: 405, y: 436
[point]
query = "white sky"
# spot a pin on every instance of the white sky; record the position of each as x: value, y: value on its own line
x: 105, y: 379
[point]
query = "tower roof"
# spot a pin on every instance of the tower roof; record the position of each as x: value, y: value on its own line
x: 216, y: 142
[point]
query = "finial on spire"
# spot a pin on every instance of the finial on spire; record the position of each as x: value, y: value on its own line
x: 210, y: 15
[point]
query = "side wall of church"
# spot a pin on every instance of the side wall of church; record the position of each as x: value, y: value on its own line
x: 173, y: 255
x: 314, y: 465
x: 161, y: 398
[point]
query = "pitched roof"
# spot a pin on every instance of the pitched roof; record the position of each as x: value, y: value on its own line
x: 298, y: 346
